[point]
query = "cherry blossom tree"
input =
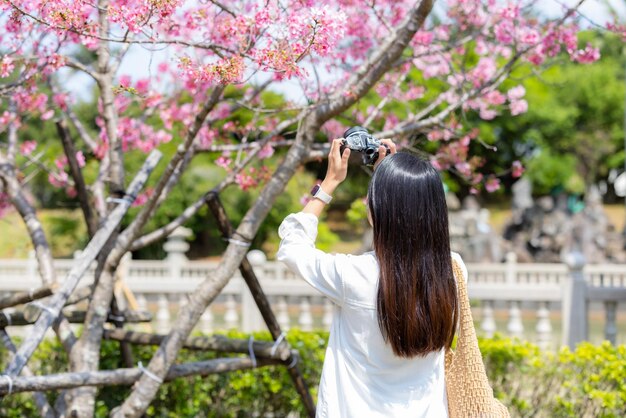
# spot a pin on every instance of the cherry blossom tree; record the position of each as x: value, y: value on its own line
x: 221, y: 57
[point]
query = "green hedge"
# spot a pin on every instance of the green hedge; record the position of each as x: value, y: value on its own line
x: 589, y: 382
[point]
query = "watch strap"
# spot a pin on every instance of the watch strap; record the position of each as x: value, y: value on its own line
x: 320, y: 194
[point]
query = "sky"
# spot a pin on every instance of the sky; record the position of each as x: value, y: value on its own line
x: 141, y: 62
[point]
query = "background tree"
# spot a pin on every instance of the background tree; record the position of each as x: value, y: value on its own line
x: 223, y: 57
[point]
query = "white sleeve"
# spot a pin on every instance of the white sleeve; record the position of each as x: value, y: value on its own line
x: 297, y: 250
x: 459, y: 260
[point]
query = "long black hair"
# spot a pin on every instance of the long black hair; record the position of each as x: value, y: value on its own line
x: 417, y: 303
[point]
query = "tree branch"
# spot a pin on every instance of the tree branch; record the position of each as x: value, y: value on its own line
x: 379, y: 63
x: 126, y: 377
x: 82, y: 131
x: 45, y: 410
x: 79, y: 182
x: 57, y: 301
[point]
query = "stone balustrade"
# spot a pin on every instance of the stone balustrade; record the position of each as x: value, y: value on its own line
x: 502, y: 292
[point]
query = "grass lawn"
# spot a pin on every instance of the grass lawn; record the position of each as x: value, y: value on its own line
x: 64, y: 229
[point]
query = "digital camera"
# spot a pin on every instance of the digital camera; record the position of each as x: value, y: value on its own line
x: 359, y: 139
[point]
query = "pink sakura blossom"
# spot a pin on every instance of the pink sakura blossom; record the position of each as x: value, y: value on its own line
x: 6, y: 118
x: 414, y: 93
x: 334, y: 129
x: 59, y: 179
x: 587, y: 55
x: 518, y: 107
x: 495, y: 98
x: 125, y: 81
x: 484, y: 70
x: 101, y: 150
x: 266, y: 152
x: 304, y: 199
x: 516, y: 93
x: 477, y: 178
x: 529, y: 36
x: 47, y: 115
x: 486, y: 113
x: 509, y: 12
x: 206, y: 136
x: 423, y: 38
x: 142, y: 198
x: 492, y: 184
x: 463, y: 168
x: 142, y: 86
x: 61, y: 163
x: 391, y: 121
x: 61, y: 100
x: 5, y: 204
x: 80, y: 159
x: 517, y: 169
x: 245, y: 181
x: 435, y: 163
x: 27, y: 147
x: 6, y: 66
x: 224, y: 162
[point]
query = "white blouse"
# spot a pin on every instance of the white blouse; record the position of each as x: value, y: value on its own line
x: 361, y: 376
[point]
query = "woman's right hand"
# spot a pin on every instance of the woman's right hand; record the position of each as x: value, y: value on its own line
x: 382, y: 151
x: 337, y: 166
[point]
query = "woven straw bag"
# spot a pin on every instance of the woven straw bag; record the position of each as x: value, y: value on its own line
x: 467, y: 387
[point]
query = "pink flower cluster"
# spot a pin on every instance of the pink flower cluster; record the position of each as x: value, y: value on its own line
x: 252, y: 177
x: 5, y: 204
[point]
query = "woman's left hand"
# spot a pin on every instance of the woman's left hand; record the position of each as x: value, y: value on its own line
x: 337, y: 166
x: 382, y: 150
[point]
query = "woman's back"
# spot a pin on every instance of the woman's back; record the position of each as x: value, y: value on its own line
x: 362, y: 376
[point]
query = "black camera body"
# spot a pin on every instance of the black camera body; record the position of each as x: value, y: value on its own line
x: 359, y: 139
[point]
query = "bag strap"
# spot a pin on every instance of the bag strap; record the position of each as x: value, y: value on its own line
x: 466, y: 331
x: 466, y: 339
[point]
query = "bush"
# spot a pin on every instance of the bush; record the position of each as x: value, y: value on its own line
x: 587, y: 382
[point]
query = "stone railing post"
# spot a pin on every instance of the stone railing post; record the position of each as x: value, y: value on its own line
x: 511, y: 268
x: 610, y: 327
x: 176, y: 247
x: 251, y: 316
x: 574, y: 307
x: 31, y: 267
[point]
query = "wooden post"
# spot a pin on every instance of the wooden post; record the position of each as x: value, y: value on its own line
x: 574, y: 305
x: 25, y: 297
x: 260, y: 298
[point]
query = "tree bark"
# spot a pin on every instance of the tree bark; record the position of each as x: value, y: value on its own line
x: 86, y: 357
x: 190, y: 313
x: 25, y: 297
x: 79, y: 182
x: 218, y: 343
x: 127, y: 377
x: 29, y: 216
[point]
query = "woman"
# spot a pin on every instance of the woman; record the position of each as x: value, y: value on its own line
x: 395, y: 307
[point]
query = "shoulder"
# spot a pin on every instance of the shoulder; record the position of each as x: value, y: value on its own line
x: 360, y: 277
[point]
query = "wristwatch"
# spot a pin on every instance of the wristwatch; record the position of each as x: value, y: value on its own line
x: 320, y: 194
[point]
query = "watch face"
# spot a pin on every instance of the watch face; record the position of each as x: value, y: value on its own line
x: 315, y: 189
